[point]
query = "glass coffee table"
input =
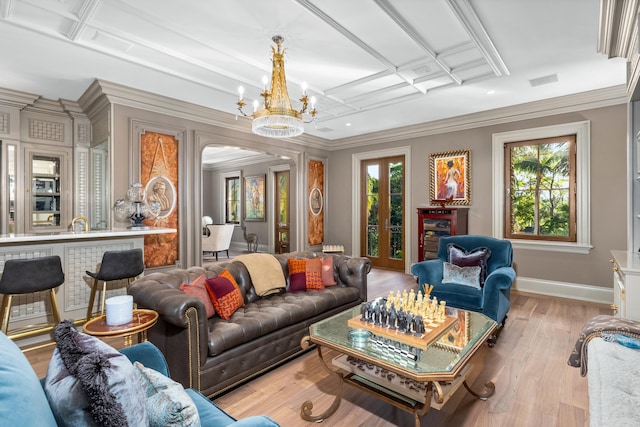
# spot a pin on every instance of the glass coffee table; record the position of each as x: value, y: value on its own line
x: 410, y: 377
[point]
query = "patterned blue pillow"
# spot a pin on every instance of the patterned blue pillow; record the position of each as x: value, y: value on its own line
x: 468, y: 276
x: 167, y: 402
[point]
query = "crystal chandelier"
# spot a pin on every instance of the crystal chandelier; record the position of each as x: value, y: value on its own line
x: 136, y: 208
x: 276, y: 118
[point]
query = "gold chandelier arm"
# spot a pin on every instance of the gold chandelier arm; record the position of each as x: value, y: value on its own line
x: 241, y: 105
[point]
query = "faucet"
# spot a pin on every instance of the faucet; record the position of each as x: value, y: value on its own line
x: 80, y: 218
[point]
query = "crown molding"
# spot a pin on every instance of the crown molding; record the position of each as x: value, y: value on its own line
x: 547, y: 107
x: 101, y: 94
x: 15, y: 99
x: 113, y: 93
x: 618, y: 23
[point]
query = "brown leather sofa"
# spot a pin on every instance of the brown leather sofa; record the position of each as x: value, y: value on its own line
x: 213, y: 355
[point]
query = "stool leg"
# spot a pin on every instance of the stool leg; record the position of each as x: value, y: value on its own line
x: 103, y: 297
x: 54, y: 306
x: 92, y: 299
x: 5, y: 312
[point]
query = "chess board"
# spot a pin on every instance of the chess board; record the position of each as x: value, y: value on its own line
x: 434, y: 330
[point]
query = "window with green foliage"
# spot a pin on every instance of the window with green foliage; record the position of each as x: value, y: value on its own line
x: 232, y: 198
x: 540, y: 178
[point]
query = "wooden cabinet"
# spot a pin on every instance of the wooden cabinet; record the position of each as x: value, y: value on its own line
x: 436, y: 222
x: 48, y: 189
x: 626, y: 284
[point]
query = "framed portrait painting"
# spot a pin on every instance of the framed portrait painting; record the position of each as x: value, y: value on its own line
x: 450, y: 178
x: 254, y: 198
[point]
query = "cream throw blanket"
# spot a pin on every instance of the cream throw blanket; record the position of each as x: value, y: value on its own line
x: 265, y: 271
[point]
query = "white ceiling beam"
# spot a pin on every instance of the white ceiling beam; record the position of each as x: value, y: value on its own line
x: 87, y: 10
x: 413, y: 35
x: 6, y: 7
x: 474, y: 27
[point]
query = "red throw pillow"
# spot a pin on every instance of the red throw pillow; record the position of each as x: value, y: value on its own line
x: 198, y: 288
x: 305, y: 274
x: 327, y: 272
x: 225, y: 294
x: 474, y: 258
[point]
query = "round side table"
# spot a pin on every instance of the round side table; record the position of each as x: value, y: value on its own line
x: 142, y: 320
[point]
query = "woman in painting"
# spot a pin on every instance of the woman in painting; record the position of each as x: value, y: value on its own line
x: 451, y: 179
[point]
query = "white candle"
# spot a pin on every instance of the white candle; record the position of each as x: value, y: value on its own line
x: 264, y: 82
x: 255, y: 105
x: 304, y: 88
x: 241, y: 92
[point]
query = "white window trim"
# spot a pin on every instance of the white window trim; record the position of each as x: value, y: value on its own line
x: 583, y: 185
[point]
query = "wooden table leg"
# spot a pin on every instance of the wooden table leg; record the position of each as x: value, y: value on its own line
x: 307, y: 406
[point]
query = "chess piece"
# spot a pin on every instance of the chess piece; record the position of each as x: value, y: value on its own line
x: 363, y: 312
x: 384, y: 314
x: 412, y: 299
x: 441, y: 315
x: 401, y: 320
x: 419, y: 326
x: 409, y: 323
x: 369, y: 313
x: 376, y: 315
x: 393, y: 316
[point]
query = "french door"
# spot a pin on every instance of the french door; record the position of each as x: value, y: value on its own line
x: 382, y: 223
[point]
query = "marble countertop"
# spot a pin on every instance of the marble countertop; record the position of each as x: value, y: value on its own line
x: 71, y: 235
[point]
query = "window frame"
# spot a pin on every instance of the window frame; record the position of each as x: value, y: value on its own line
x: 582, y: 245
x: 508, y: 146
x: 226, y: 180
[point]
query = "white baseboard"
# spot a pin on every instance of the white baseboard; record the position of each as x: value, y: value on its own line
x: 564, y: 290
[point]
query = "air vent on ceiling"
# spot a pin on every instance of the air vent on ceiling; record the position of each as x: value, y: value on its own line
x: 551, y: 78
x: 325, y: 129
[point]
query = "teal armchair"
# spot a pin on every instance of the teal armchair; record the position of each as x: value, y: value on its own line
x: 493, y: 298
x: 24, y: 402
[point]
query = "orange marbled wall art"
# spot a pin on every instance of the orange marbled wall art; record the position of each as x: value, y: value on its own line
x: 159, y: 177
x: 316, y: 202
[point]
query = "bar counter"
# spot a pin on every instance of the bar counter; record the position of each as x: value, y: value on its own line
x: 12, y: 239
x: 79, y: 252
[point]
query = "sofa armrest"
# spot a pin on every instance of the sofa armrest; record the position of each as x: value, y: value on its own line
x: 181, y: 330
x: 353, y: 272
x: 147, y: 354
x: 170, y: 303
x: 428, y: 272
x: 499, y: 279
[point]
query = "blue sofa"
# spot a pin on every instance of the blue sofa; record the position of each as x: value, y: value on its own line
x: 24, y: 403
x: 493, y: 299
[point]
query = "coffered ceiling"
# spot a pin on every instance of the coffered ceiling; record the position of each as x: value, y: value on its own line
x: 372, y: 64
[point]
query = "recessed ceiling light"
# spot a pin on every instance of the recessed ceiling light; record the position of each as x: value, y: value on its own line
x: 491, y: 92
x: 347, y: 124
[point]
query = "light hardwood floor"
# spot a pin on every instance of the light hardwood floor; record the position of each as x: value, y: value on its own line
x: 534, y: 385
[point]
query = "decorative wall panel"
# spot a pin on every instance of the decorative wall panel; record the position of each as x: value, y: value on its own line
x: 316, y: 202
x: 159, y: 177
